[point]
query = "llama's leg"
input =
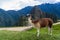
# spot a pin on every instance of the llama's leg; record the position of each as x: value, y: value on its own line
x: 49, y: 31
x: 38, y: 32
x: 37, y: 26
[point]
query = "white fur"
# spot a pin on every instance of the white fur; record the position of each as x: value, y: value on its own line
x: 30, y: 22
x: 36, y: 25
x: 49, y: 31
x: 38, y: 32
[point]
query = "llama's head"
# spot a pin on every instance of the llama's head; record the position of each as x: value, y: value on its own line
x: 29, y: 20
x: 32, y: 17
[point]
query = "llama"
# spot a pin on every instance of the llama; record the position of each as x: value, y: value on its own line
x: 40, y: 23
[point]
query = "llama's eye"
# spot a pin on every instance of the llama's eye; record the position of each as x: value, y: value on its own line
x: 30, y: 19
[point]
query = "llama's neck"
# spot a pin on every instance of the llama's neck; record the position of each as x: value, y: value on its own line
x: 30, y: 22
x: 29, y: 19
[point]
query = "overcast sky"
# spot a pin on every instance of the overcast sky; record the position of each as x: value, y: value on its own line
x: 19, y: 4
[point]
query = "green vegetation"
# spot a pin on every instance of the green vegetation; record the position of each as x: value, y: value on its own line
x: 31, y: 34
x: 23, y: 21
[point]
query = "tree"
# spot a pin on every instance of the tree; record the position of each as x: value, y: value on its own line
x: 23, y: 21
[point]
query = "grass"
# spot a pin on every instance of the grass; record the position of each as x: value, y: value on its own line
x: 31, y: 34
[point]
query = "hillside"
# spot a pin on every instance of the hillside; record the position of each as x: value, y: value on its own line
x: 11, y: 17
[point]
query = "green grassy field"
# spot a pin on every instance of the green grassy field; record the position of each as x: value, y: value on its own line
x: 31, y: 34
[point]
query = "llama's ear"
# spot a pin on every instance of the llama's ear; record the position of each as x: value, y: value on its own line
x: 28, y: 15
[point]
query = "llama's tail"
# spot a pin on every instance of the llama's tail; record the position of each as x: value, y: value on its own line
x: 50, y: 22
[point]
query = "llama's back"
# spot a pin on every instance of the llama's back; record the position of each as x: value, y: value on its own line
x: 46, y: 22
x: 50, y: 22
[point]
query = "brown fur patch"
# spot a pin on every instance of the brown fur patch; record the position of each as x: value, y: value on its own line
x: 43, y: 22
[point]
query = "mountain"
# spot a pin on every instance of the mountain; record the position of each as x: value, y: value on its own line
x: 25, y: 10
x: 47, y: 8
x: 11, y: 17
x: 35, y: 13
x: 51, y: 8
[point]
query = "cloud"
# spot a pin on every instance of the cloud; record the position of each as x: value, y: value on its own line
x: 57, y: 0
x: 9, y: 4
x: 48, y: 1
x: 28, y: 3
x: 19, y: 4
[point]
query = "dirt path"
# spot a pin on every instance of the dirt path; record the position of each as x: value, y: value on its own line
x: 21, y: 28
x: 56, y: 23
x: 16, y: 28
